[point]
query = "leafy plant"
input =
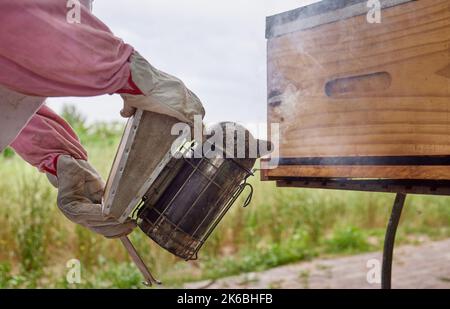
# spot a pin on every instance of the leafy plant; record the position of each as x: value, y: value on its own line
x: 8, y: 153
x: 347, y: 240
x: 33, y: 223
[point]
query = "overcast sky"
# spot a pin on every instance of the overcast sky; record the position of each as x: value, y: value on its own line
x: 217, y: 48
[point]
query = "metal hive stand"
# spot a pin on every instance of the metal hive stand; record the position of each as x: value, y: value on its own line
x: 400, y: 187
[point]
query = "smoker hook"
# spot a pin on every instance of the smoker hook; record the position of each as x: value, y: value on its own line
x: 249, y: 198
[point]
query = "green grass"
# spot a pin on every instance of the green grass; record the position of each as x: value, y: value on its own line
x: 280, y: 226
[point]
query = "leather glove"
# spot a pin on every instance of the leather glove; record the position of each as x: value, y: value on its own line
x: 80, y: 191
x: 161, y: 93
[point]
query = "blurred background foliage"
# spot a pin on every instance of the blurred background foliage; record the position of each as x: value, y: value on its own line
x: 281, y: 226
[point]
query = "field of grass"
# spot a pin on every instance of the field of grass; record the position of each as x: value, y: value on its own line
x: 279, y: 227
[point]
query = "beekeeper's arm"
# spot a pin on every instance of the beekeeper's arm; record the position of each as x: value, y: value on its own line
x: 50, y: 50
x: 49, y: 143
x: 44, y: 55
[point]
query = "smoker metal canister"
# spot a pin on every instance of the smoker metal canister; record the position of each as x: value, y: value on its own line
x: 195, y: 200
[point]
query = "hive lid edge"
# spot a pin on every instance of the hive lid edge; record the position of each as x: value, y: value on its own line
x: 319, y: 13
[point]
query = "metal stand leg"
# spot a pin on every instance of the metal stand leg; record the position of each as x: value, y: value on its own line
x: 389, y: 240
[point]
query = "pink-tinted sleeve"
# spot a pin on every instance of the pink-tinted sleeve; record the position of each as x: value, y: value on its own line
x: 45, y: 138
x: 45, y: 51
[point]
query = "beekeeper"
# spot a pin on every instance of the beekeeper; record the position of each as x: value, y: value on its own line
x: 44, y: 52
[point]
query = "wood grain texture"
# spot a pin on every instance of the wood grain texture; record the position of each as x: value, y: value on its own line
x: 351, y: 88
x: 377, y: 172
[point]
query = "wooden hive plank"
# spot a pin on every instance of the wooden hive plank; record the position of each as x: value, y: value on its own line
x: 350, y: 88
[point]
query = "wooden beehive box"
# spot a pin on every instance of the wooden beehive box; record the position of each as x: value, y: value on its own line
x: 355, y: 99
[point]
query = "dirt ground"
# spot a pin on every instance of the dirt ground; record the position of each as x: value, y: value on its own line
x: 424, y: 266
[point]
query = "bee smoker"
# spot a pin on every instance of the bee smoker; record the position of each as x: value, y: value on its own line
x: 186, y: 194
x: 181, y: 214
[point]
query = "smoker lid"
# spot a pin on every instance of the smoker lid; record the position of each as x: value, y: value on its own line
x: 320, y: 13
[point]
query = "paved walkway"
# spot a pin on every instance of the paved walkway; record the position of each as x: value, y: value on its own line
x: 424, y: 266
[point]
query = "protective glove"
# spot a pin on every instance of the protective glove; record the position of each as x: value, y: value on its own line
x: 49, y: 143
x: 161, y: 93
x: 80, y: 191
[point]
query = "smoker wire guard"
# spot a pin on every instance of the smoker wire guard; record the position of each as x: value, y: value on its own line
x: 189, y: 250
